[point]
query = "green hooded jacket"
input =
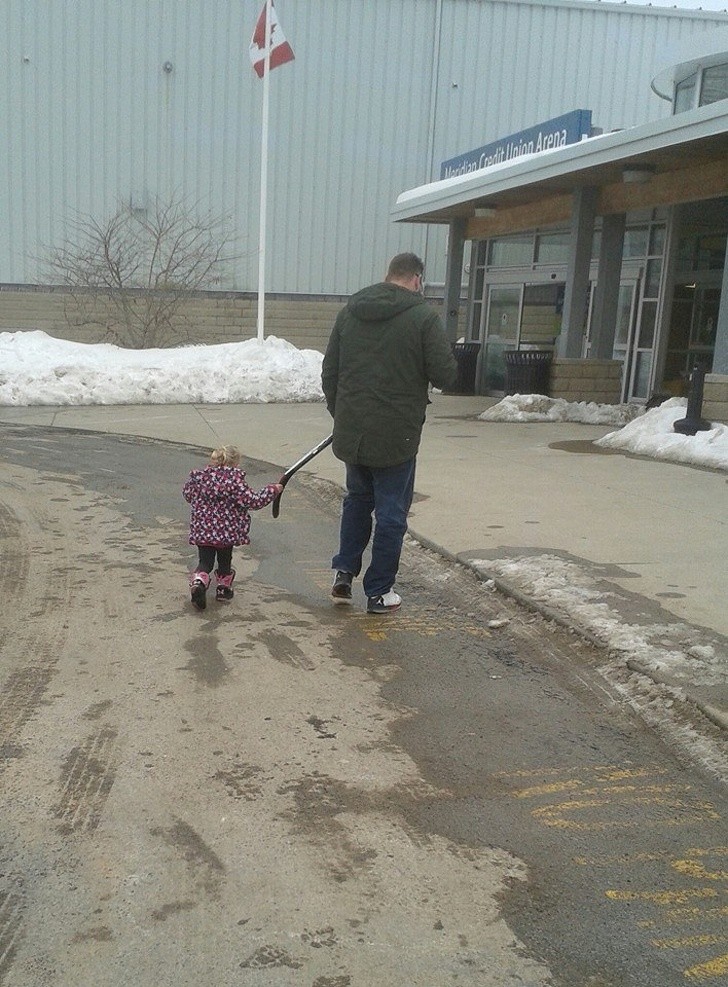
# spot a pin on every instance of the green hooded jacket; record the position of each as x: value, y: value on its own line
x: 387, y: 346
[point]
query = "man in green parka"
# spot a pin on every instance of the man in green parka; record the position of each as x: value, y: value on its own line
x: 387, y: 346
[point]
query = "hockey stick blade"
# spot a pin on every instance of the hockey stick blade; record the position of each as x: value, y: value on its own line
x: 296, y: 467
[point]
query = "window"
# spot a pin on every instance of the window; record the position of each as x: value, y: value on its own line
x: 705, y: 252
x: 652, y: 277
x: 511, y: 251
x: 685, y: 93
x: 657, y: 240
x: 543, y: 307
x: 647, y: 326
x: 714, y: 84
x: 635, y: 242
x: 552, y: 248
x: 711, y: 252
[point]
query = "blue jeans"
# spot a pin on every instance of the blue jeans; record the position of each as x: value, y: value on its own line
x: 385, y: 493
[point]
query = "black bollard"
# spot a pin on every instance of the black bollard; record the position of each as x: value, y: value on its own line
x: 692, y: 422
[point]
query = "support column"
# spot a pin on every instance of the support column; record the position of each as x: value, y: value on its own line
x: 606, y: 293
x: 576, y: 296
x: 454, y: 277
x: 720, y: 356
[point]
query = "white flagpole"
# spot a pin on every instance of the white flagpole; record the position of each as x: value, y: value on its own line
x: 263, y: 177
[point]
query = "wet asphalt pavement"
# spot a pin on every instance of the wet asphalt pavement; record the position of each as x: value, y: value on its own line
x: 450, y: 776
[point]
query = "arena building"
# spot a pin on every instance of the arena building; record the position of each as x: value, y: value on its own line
x: 107, y: 103
x: 602, y: 255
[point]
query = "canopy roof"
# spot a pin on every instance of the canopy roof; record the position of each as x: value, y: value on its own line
x: 682, y: 158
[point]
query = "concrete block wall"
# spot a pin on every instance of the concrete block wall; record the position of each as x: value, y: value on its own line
x: 586, y: 380
x: 715, y: 398
x: 210, y: 317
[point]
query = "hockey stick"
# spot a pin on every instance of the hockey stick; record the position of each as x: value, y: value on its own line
x: 296, y: 467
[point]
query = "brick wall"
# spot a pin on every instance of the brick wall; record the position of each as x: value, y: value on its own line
x: 715, y: 398
x: 586, y: 380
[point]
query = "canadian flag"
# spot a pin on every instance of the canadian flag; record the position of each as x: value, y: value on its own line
x: 280, y: 51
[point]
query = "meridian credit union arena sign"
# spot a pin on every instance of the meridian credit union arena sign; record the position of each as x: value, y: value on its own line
x: 567, y: 129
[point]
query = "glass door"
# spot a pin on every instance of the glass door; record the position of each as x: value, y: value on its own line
x: 623, y: 333
x: 691, y: 343
x: 502, y: 319
x: 541, y: 315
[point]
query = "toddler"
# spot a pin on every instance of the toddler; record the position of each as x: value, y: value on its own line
x: 219, y: 519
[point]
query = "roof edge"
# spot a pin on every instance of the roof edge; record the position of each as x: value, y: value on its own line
x: 594, y: 151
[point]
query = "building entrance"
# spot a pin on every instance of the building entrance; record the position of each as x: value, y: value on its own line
x: 518, y: 316
x: 502, y: 319
x: 691, y: 341
x: 692, y: 321
x: 522, y: 307
x: 631, y: 347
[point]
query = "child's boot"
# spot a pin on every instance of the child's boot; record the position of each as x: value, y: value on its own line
x: 199, y: 581
x: 224, y: 591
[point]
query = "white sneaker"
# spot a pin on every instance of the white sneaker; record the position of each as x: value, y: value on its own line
x: 386, y: 603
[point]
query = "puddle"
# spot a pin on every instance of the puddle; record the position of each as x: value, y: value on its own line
x: 584, y: 446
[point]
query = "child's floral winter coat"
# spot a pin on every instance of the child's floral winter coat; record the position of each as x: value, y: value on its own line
x: 220, y: 499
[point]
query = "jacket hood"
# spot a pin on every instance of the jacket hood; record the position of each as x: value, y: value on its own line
x: 220, y: 481
x: 383, y: 301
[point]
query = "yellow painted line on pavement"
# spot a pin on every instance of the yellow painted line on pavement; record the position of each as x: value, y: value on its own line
x: 533, y: 773
x: 688, y: 942
x: 555, y: 815
x: 610, y: 797
x: 662, y: 897
x: 597, y: 789
x: 420, y: 622
x: 376, y: 635
x: 598, y: 774
x: 549, y: 789
x: 573, y: 783
x: 640, y: 858
x: 717, y: 967
x: 624, y: 774
x: 683, y: 916
x: 320, y: 577
x: 626, y: 860
x: 693, y: 868
x: 647, y: 789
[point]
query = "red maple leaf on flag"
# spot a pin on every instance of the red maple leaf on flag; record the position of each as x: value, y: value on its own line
x: 280, y: 51
x: 258, y: 38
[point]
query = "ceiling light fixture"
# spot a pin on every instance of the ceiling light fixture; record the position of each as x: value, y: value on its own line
x: 637, y: 174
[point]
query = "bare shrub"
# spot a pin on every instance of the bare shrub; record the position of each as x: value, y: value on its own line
x: 132, y: 274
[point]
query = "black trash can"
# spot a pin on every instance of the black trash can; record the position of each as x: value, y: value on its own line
x: 466, y: 357
x: 527, y: 371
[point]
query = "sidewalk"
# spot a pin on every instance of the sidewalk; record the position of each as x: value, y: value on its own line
x: 644, y: 542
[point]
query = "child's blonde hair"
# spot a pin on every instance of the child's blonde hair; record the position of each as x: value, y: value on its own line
x: 225, y: 456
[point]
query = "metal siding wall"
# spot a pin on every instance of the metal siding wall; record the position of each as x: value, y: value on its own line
x: 92, y: 118
x: 355, y: 133
x: 507, y: 65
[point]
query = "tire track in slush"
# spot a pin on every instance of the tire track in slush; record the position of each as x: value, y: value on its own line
x: 33, y: 653
x: 14, y: 558
x: 29, y: 657
x: 20, y: 696
x: 87, y: 777
x: 11, y: 928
